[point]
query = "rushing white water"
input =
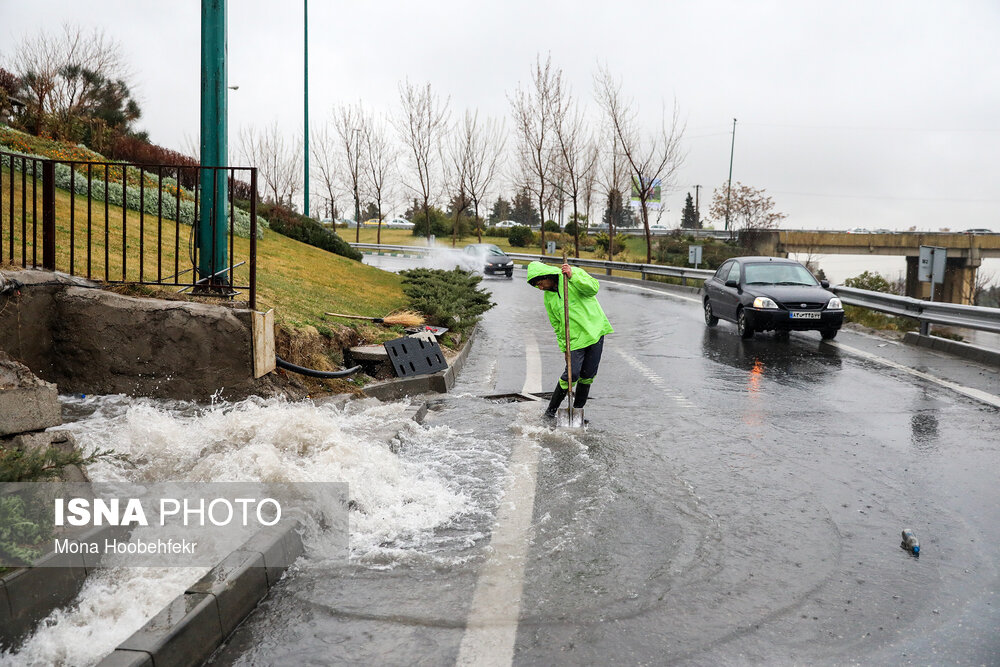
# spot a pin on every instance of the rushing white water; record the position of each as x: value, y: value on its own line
x: 400, y: 496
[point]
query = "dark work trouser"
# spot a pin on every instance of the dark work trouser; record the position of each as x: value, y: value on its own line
x: 585, y: 362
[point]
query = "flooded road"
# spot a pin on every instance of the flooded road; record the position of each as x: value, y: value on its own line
x: 733, y: 502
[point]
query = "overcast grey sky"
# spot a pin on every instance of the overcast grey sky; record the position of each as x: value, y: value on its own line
x: 850, y: 114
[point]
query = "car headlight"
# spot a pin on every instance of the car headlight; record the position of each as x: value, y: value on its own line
x: 509, y: 263
x: 835, y: 304
x: 764, y: 302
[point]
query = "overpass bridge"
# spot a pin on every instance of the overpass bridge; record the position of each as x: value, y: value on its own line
x: 965, y: 253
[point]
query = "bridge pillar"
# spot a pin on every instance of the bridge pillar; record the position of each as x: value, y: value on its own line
x: 959, y: 280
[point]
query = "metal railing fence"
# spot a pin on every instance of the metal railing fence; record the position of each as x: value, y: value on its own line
x: 123, y: 222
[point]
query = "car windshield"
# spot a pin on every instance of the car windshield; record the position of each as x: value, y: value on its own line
x: 773, y: 273
x: 484, y: 249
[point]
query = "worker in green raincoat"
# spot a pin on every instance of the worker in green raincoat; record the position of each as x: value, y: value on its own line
x: 587, y: 326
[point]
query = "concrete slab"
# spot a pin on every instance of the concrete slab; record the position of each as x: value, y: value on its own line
x: 5, y: 616
x: 53, y: 582
x: 374, y: 353
x: 27, y: 403
x: 185, y: 632
x: 238, y: 583
x: 124, y: 658
x: 280, y: 545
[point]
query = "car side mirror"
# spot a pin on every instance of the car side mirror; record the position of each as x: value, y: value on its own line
x: 825, y: 284
x: 733, y: 283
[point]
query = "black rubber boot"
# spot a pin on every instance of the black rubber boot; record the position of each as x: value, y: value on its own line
x: 557, y: 397
x: 580, y: 395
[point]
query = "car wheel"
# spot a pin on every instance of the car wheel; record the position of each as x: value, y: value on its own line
x: 510, y: 274
x: 710, y: 319
x: 746, y: 331
x: 828, y: 334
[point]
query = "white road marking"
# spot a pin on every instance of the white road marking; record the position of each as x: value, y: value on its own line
x: 654, y: 291
x: 533, y: 370
x: 491, y: 627
x: 657, y: 381
x: 976, y: 394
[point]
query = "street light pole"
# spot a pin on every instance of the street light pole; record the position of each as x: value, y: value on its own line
x: 729, y: 183
x: 305, y: 41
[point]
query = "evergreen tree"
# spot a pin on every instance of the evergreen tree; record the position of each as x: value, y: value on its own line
x: 614, y: 211
x: 689, y: 219
x: 501, y: 211
x: 523, y: 209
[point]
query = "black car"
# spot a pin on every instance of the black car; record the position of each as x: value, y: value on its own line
x: 494, y: 259
x: 770, y: 293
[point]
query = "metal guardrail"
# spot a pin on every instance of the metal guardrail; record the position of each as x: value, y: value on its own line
x: 926, y: 312
x: 684, y: 273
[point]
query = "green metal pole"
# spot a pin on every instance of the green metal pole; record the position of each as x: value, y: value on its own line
x: 212, y: 239
x: 305, y: 12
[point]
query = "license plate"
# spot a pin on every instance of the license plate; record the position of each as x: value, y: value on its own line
x: 804, y: 315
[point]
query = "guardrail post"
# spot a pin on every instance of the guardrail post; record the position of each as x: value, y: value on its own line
x: 925, y: 328
x: 49, y: 215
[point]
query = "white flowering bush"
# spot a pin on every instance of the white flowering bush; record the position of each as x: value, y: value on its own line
x: 149, y: 197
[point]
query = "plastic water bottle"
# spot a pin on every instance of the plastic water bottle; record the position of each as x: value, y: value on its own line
x: 910, y: 542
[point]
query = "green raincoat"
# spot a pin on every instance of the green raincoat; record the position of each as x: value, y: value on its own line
x: 587, y: 321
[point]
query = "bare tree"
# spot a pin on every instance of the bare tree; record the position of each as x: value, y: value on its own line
x: 532, y: 110
x: 325, y: 159
x: 651, y: 157
x: 577, y: 161
x: 482, y: 146
x: 456, y: 167
x: 277, y: 161
x: 589, y: 180
x: 379, y: 160
x: 348, y: 121
x: 59, y: 72
x: 613, y: 176
x: 423, y: 121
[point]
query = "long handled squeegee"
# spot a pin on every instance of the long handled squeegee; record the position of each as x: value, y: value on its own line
x: 568, y: 417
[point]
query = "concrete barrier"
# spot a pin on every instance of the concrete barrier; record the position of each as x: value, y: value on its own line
x: 27, y: 595
x: 185, y: 632
x: 189, y: 629
x: 959, y: 349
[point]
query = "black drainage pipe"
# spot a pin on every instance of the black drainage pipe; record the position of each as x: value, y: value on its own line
x: 281, y: 363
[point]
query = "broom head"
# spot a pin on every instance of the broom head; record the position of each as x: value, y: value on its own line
x: 406, y: 318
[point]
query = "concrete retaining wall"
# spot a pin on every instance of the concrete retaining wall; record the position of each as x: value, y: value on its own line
x: 89, y: 340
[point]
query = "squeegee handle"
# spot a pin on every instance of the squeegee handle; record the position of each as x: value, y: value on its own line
x: 569, y: 354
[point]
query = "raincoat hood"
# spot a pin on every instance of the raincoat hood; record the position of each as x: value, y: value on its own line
x: 587, y: 322
x: 537, y: 269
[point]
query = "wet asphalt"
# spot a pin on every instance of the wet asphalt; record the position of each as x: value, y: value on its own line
x: 733, y: 502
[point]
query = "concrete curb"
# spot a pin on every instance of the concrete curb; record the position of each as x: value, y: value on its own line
x: 28, y: 595
x: 439, y: 383
x: 954, y: 347
x: 189, y: 629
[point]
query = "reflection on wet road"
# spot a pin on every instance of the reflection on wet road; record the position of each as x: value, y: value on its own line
x: 733, y: 502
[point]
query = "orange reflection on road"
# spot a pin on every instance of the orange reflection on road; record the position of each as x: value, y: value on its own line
x: 753, y: 415
x: 756, y: 373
